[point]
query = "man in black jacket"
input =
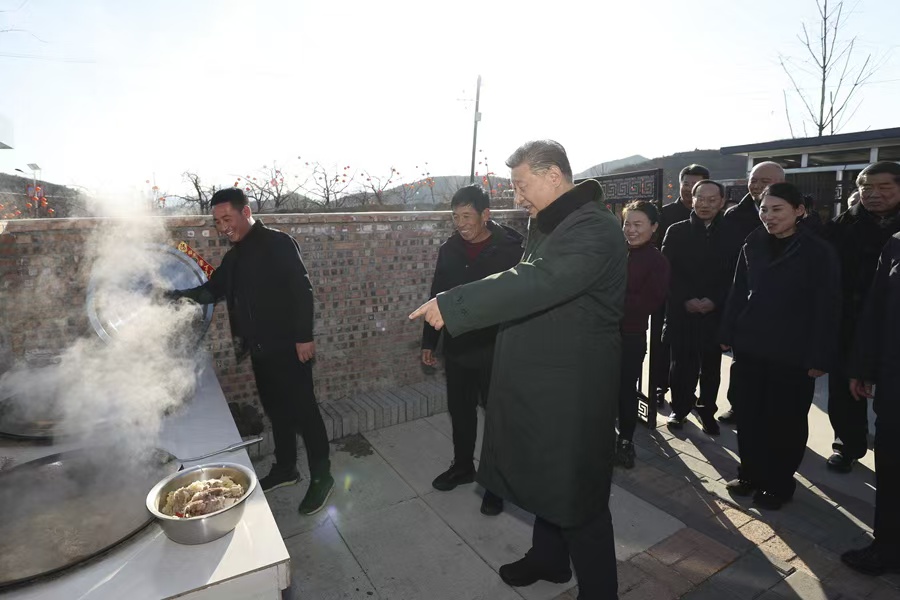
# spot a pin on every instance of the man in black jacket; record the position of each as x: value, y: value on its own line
x: 270, y: 308
x: 675, y: 212
x: 743, y: 220
x: 699, y: 251
x: 858, y: 235
x: 479, y: 247
x: 873, y: 369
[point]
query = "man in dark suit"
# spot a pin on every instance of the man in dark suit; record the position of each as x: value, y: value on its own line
x: 672, y: 213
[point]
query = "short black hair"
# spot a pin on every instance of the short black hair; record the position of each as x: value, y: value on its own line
x: 648, y: 208
x: 789, y: 193
x: 541, y: 155
x: 883, y: 167
x: 234, y: 196
x: 471, y: 195
x: 694, y: 169
x: 708, y: 182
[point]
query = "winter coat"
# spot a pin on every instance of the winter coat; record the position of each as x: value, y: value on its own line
x: 859, y: 237
x: 648, y: 286
x: 267, y: 290
x: 503, y: 251
x: 743, y: 219
x: 876, y: 352
x: 674, y: 212
x: 785, y: 308
x: 701, y: 263
x: 550, y: 426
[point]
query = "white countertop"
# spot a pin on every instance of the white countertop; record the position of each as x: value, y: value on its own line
x: 250, y: 562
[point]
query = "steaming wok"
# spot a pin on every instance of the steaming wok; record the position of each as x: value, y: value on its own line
x: 66, y: 508
x: 108, y: 306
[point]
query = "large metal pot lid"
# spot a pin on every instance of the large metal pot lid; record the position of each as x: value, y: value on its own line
x: 111, y: 295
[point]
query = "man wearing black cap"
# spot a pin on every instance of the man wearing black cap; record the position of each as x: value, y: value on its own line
x: 270, y: 308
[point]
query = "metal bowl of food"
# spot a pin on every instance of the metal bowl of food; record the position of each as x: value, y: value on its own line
x: 202, y: 503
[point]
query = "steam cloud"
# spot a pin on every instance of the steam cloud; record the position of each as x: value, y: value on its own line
x: 117, y: 391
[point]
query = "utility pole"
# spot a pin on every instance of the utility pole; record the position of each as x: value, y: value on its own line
x: 475, y: 133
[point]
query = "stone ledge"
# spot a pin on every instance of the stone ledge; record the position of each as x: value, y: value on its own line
x: 369, y: 411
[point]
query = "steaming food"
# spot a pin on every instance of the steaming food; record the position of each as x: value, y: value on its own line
x: 202, y: 497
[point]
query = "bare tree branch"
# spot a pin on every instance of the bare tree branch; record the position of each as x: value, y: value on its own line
x: 838, y: 75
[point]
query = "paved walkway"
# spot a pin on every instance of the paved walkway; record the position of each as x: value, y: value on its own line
x: 387, y: 534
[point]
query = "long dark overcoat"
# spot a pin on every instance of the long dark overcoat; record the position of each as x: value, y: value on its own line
x: 550, y: 425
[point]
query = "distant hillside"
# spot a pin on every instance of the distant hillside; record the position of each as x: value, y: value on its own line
x: 721, y: 166
x: 422, y: 192
x: 65, y: 201
x: 612, y: 166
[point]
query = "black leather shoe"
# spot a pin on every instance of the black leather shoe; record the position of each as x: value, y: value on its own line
x: 740, y: 487
x: 675, y: 422
x: 839, y: 463
x: 454, y: 476
x: 625, y: 454
x: 872, y: 560
x: 279, y: 477
x: 768, y: 500
x: 660, y: 398
x: 709, y: 425
x: 727, y: 417
x: 491, y: 504
x: 523, y: 572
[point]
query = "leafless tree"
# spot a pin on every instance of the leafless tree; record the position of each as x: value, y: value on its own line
x: 201, y: 196
x: 838, y: 72
x: 272, y: 189
x: 406, y: 192
x: 378, y: 185
x: 329, y: 188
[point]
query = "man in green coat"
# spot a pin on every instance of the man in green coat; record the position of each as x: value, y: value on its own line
x: 550, y: 427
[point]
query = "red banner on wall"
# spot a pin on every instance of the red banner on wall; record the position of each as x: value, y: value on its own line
x: 207, y: 268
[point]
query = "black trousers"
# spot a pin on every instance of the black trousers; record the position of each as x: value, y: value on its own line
x: 849, y: 418
x: 286, y: 391
x: 591, y: 548
x: 466, y: 385
x: 660, y: 355
x: 887, y: 465
x: 773, y: 401
x: 696, y: 355
x: 634, y: 347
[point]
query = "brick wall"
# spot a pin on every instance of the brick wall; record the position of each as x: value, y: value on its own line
x: 368, y: 270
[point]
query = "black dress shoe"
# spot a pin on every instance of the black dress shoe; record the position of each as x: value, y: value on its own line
x: 454, y: 476
x: 872, y: 560
x: 768, y: 500
x: 491, y: 504
x: 625, y: 454
x: 727, y: 416
x: 740, y: 487
x: 839, y: 463
x: 279, y: 477
x: 675, y: 422
x: 524, y: 572
x: 709, y: 425
x: 660, y: 398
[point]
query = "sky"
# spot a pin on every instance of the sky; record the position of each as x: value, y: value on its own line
x: 107, y: 94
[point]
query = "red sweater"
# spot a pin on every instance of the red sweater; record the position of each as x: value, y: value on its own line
x: 647, y: 289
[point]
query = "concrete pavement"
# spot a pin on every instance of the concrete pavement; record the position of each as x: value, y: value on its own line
x: 387, y: 534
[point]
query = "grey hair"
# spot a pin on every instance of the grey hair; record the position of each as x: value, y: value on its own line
x: 769, y: 163
x: 541, y: 155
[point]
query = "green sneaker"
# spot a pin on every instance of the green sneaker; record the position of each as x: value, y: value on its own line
x: 317, y: 495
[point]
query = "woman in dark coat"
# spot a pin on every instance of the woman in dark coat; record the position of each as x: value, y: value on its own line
x: 781, y: 320
x: 648, y: 285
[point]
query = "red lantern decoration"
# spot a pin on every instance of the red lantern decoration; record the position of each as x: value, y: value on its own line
x: 28, y: 205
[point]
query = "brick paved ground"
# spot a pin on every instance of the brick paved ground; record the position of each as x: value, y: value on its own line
x: 731, y: 550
